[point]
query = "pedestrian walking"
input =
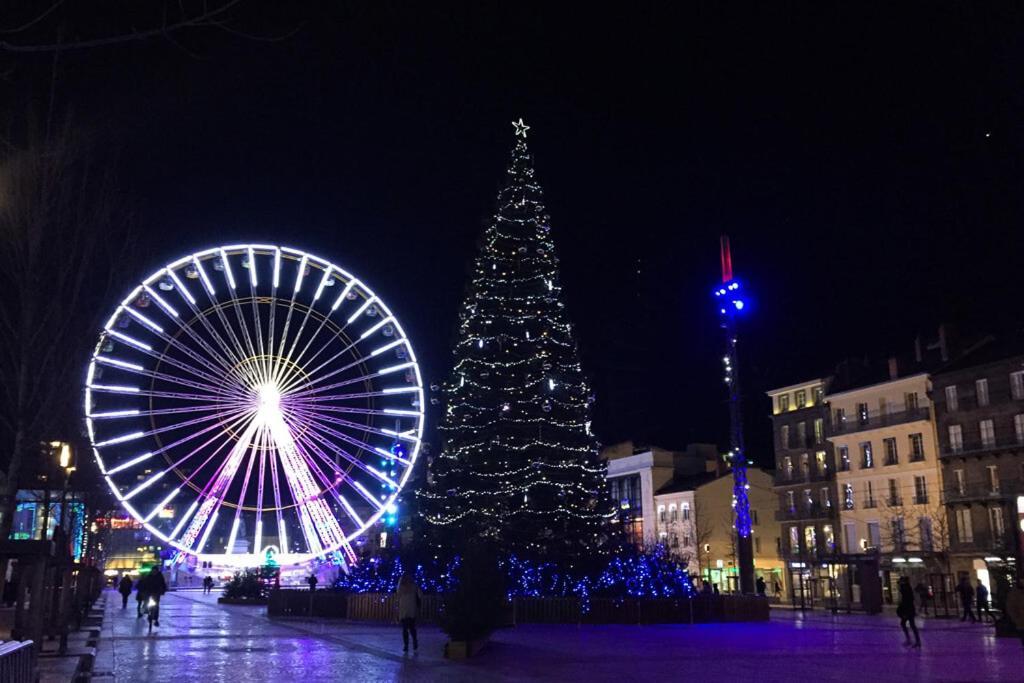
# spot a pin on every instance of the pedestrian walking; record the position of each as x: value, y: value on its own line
x: 207, y: 585
x: 762, y: 587
x: 922, y: 596
x: 981, y: 601
x: 1015, y: 608
x: 906, y: 612
x: 966, y: 594
x: 409, y: 599
x: 125, y: 589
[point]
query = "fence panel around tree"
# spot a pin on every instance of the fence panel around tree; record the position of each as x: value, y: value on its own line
x: 382, y: 608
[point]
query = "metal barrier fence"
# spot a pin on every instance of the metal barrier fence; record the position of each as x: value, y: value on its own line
x: 383, y: 608
x: 17, y: 659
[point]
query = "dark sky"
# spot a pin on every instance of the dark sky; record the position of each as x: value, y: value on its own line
x: 864, y: 160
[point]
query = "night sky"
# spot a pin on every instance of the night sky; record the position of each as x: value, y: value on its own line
x: 864, y: 160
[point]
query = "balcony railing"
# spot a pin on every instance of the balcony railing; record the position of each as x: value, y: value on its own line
x: 982, y: 491
x: 870, y: 503
x: 783, y: 477
x: 814, y: 511
x: 977, y: 446
x: 854, y: 423
x: 921, y: 499
x: 894, y: 501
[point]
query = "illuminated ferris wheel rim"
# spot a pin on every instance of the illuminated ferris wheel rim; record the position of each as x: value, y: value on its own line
x: 271, y: 389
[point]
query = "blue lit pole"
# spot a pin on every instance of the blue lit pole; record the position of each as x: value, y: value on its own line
x: 731, y: 305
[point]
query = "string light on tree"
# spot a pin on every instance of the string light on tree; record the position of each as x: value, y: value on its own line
x: 519, y: 464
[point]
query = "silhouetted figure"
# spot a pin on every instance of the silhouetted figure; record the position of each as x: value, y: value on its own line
x: 409, y: 599
x: 966, y: 594
x: 981, y: 600
x: 922, y: 596
x: 152, y: 585
x: 312, y: 581
x: 716, y: 589
x: 906, y: 612
x: 207, y: 585
x: 762, y: 587
x: 125, y: 589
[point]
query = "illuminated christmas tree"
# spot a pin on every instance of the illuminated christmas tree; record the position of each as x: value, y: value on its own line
x: 518, y: 463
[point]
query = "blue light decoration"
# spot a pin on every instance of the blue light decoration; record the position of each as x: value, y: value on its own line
x: 731, y: 304
x: 630, y: 574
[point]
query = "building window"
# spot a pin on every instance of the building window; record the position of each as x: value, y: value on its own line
x: 794, y: 540
x: 1018, y: 427
x: 847, y: 496
x: 850, y: 537
x: 673, y: 513
x: 952, y: 404
x: 963, y: 525
x: 805, y: 464
x: 819, y: 430
x: 920, y: 491
x: 869, y: 496
x: 961, y: 482
x: 874, y: 534
x: 661, y: 514
x: 783, y: 403
x: 801, y: 398
x: 993, y: 479
x: 981, y: 390
x: 808, y: 499
x: 784, y: 436
x: 1017, y: 385
x: 819, y: 395
x: 686, y: 540
x: 910, y: 400
x: 996, y: 526
x: 819, y: 460
x: 867, y: 458
x: 894, y: 493
x: 892, y: 457
x: 924, y: 531
x: 826, y: 500
x: 791, y: 501
x: 844, y: 459
x: 840, y: 419
x: 674, y: 540
x: 753, y: 517
x: 830, y: 538
x: 801, y: 434
x: 810, y: 539
x: 956, y: 439
x: 988, y: 433
x: 686, y: 512
x: 862, y: 413
x: 916, y: 447
x: 899, y: 534
x: 757, y: 544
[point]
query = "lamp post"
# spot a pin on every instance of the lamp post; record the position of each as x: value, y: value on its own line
x: 731, y: 305
x: 65, y: 458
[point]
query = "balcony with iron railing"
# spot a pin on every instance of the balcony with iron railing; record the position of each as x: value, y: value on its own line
x: 977, y: 446
x: 784, y: 477
x: 875, y: 420
x: 982, y: 491
x: 805, y: 512
x: 983, y: 541
x: 894, y: 501
x: 870, y: 503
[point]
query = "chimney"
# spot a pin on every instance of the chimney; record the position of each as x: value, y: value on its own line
x: 894, y: 369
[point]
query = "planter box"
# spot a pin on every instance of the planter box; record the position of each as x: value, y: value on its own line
x: 463, y: 649
x: 241, y: 601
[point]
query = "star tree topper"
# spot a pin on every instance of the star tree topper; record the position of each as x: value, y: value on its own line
x: 520, y: 127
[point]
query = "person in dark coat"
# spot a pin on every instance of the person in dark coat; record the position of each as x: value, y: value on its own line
x: 966, y: 594
x: 762, y: 587
x: 981, y: 600
x: 906, y: 612
x: 152, y: 585
x: 922, y: 596
x: 125, y: 589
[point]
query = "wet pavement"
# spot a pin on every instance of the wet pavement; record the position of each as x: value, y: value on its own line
x: 199, y: 640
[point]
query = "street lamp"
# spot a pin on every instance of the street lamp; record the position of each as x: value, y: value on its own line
x: 65, y: 458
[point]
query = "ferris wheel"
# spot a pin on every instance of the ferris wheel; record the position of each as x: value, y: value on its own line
x: 252, y: 398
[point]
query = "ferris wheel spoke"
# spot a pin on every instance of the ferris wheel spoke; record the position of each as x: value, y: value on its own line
x: 329, y: 445
x: 181, y: 365
x: 137, y: 369
x: 231, y: 360
x: 407, y: 435
x: 245, y: 487
x: 358, y: 443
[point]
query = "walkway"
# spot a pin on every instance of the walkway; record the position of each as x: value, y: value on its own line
x: 202, y: 641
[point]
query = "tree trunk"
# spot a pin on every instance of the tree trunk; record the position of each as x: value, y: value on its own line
x: 9, y: 493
